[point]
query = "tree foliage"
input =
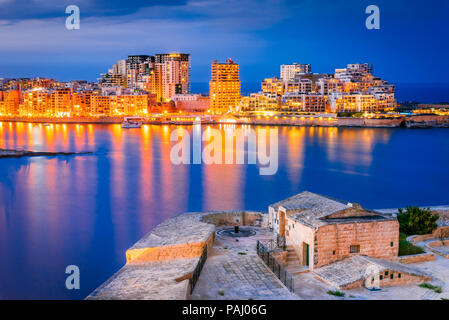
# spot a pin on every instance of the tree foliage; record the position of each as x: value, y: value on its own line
x: 414, y: 220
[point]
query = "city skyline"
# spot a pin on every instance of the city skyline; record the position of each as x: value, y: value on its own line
x: 404, y: 49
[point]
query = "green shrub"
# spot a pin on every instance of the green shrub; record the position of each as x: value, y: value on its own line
x: 336, y: 293
x: 431, y: 287
x: 414, y: 220
x: 406, y: 248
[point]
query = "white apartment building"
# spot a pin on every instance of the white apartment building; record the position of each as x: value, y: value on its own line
x: 289, y: 71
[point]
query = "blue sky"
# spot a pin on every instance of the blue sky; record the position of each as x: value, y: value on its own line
x: 411, y: 46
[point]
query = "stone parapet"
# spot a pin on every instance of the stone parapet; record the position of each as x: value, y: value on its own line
x: 160, y: 264
x: 415, y: 258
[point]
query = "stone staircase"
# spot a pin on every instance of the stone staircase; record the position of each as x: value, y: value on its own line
x: 293, y: 265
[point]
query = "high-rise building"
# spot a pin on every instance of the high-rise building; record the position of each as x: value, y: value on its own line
x: 289, y: 71
x: 224, y: 87
x: 172, y: 75
x: 136, y: 67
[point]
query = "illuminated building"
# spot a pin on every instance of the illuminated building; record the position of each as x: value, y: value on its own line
x: 261, y: 102
x: 35, y: 102
x: 60, y: 102
x: 326, y: 86
x: 365, y: 68
x: 289, y: 71
x: 9, y: 102
x: 172, y: 75
x: 191, y: 102
x: 273, y: 85
x: 224, y: 87
x: 121, y: 105
x: 136, y: 67
x: 359, y: 102
x: 112, y: 80
x: 299, y: 85
x: 164, y: 74
x: 305, y: 102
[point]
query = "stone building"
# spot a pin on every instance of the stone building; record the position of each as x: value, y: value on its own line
x: 323, y: 230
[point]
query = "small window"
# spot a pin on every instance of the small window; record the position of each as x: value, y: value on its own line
x: 391, y: 276
x: 381, y: 277
x: 333, y: 252
x: 386, y: 273
x: 399, y: 275
x: 391, y: 244
x: 354, y: 249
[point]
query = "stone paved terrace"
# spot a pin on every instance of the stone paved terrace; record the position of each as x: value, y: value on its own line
x: 147, y: 281
x: 159, y: 265
x: 233, y: 270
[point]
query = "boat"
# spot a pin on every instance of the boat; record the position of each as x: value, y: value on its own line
x: 131, y: 122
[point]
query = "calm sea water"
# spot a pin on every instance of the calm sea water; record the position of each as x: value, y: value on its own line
x: 87, y: 210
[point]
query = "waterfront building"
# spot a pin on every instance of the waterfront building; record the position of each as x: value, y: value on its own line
x: 172, y: 75
x: 305, y: 102
x: 9, y: 102
x: 136, y: 66
x: 164, y: 74
x: 326, y: 86
x: 224, y: 87
x: 261, y: 101
x: 60, y: 102
x: 289, y: 71
x: 35, y: 102
x: 359, y: 102
x: 273, y: 85
x: 299, y: 85
x: 122, y: 105
x: 191, y: 102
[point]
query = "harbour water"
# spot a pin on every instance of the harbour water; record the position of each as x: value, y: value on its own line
x: 87, y: 210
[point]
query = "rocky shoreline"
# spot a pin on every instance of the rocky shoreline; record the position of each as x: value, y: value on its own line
x: 9, y: 153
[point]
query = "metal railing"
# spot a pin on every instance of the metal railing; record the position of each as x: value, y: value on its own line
x: 198, y: 268
x: 273, y: 244
x: 280, y: 241
x: 266, y: 255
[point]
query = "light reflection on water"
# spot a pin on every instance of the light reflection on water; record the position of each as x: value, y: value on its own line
x: 87, y: 210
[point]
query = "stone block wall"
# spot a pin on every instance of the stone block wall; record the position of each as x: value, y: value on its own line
x: 434, y: 235
x: 378, y: 239
x: 405, y: 279
x: 171, y: 252
x: 415, y: 258
x: 240, y: 218
x: 281, y: 257
x: 296, y: 234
